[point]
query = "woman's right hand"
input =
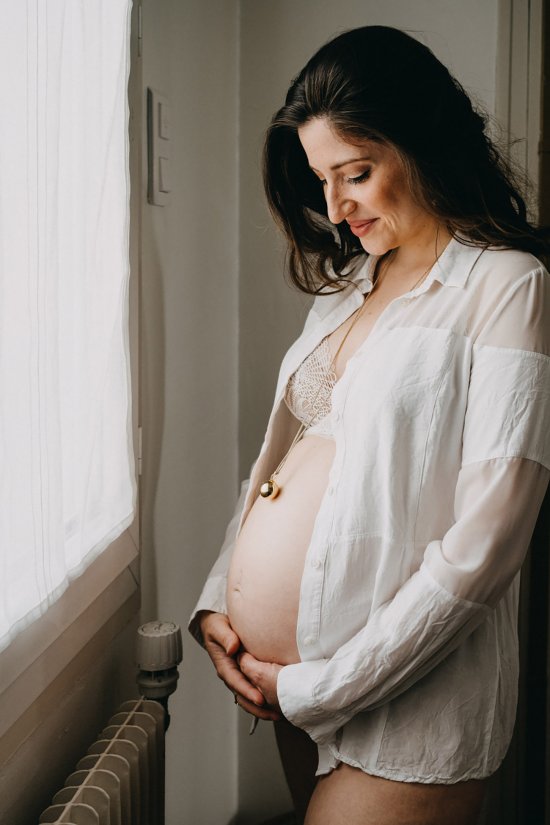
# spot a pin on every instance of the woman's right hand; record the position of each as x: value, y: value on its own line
x: 222, y: 645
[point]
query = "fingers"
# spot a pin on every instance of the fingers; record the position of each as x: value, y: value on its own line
x: 262, y: 674
x: 269, y: 714
x: 252, y: 682
x: 222, y: 645
x: 248, y: 663
x: 215, y: 627
x: 229, y: 640
x: 258, y: 672
x: 230, y: 673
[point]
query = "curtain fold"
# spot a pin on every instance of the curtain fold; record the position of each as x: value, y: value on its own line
x: 67, y: 477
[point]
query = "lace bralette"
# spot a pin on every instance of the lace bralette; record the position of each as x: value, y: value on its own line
x: 309, y: 390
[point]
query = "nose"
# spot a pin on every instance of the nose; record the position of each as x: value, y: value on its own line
x: 338, y: 206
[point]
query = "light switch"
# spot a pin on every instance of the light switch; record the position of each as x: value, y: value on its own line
x: 159, y: 149
x: 164, y: 175
x: 164, y: 120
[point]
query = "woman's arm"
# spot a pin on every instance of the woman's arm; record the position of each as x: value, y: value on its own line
x: 424, y: 622
x: 460, y: 581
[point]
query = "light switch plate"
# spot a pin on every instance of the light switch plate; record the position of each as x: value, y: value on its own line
x: 164, y: 120
x: 158, y: 148
x: 164, y: 175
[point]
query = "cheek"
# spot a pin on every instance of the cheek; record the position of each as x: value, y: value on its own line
x: 400, y: 207
x: 387, y: 195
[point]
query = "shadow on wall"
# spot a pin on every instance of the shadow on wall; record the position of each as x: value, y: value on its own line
x: 152, y: 407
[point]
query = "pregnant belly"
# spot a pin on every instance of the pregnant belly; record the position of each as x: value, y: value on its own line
x: 264, y: 578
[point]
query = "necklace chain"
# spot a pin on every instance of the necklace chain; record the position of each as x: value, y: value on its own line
x: 270, y: 489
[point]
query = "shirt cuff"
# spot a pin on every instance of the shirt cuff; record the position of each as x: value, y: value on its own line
x: 295, y: 694
x: 212, y: 598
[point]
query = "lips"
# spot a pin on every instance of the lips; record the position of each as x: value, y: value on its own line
x: 361, y: 228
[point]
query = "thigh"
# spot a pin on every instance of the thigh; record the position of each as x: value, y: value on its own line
x: 348, y: 796
x: 299, y: 757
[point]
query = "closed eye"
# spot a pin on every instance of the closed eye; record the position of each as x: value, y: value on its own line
x: 354, y: 181
x: 360, y: 178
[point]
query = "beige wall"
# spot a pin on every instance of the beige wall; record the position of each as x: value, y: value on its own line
x: 189, y: 378
x: 189, y: 391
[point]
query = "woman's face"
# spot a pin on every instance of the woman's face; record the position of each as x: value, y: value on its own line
x: 365, y: 185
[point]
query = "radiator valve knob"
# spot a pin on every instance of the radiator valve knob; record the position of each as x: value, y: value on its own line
x: 158, y: 654
x: 159, y: 646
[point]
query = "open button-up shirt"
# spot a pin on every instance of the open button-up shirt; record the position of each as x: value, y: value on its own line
x: 408, y: 604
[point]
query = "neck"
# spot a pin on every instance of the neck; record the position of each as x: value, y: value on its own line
x: 422, y: 250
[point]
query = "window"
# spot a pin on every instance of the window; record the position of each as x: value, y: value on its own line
x: 67, y: 477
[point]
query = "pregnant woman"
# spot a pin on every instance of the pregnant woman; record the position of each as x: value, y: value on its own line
x: 366, y: 595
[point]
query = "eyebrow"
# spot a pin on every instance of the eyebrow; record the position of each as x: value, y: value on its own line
x: 344, y: 163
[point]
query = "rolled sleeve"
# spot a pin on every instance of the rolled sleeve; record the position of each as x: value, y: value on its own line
x: 404, y: 639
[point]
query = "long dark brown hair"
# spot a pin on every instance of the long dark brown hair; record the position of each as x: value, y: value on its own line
x: 377, y: 83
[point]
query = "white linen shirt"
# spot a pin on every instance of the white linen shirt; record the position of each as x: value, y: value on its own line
x: 408, y: 604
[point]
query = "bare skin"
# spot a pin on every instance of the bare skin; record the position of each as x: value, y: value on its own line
x: 224, y: 646
x: 348, y: 796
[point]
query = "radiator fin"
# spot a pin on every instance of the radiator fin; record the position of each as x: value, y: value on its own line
x: 121, y: 779
x: 105, y: 779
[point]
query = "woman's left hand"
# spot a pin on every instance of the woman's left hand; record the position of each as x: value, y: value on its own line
x: 263, y: 675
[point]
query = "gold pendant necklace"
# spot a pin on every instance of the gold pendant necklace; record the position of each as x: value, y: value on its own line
x: 270, y: 489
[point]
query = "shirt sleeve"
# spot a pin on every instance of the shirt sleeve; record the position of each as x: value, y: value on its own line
x: 213, y: 596
x: 499, y: 490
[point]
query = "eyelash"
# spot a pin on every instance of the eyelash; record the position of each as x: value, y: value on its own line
x: 360, y: 178
x: 353, y: 181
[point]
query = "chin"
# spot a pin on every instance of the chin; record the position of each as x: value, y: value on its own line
x: 373, y: 247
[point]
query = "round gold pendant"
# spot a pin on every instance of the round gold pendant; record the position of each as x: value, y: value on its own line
x: 270, y: 489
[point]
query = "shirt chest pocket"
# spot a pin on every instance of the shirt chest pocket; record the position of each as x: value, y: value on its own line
x: 400, y: 373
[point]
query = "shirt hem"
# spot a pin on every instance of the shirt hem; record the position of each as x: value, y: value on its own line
x: 333, y: 759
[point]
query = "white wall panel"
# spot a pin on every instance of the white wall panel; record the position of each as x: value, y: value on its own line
x: 189, y: 377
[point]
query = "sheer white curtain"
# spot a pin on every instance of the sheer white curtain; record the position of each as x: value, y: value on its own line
x: 67, y: 485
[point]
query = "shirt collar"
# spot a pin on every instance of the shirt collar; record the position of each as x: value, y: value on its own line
x: 456, y: 262
x: 452, y: 268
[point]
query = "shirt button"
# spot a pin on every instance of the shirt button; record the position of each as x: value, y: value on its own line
x: 309, y: 640
x: 317, y: 563
x: 337, y: 416
x: 330, y: 491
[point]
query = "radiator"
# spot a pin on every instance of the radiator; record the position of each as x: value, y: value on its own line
x: 120, y: 781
